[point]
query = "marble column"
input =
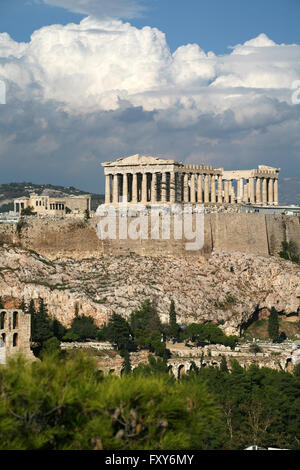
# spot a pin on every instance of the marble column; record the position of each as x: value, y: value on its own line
x: 164, y: 187
x: 125, y: 188
x: 153, y: 197
x: 186, y: 188
x: 144, y: 189
x: 231, y: 193
x: 134, y: 188
x: 220, y: 189
x: 226, y: 192
x: 115, y: 198
x: 213, y: 189
x: 246, y: 191
x: 251, y: 187
x: 107, y: 189
x: 172, y: 187
x: 264, y: 191
x: 258, y: 191
x: 193, y: 189
x: 199, y: 189
x: 206, y: 188
x: 276, y: 192
x: 270, y: 191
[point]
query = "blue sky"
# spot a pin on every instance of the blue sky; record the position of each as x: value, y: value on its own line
x: 214, y: 24
x: 137, y: 76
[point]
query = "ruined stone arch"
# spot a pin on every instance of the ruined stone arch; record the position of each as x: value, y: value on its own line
x: 15, y: 339
x: 180, y: 371
x: 2, y: 320
x: 15, y: 320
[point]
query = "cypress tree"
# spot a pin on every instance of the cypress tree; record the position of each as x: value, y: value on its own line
x: 273, y: 324
x: 31, y: 312
x: 41, y: 324
x: 126, y: 368
x: 22, y: 305
x: 223, y: 365
x: 174, y: 328
x: 1, y: 303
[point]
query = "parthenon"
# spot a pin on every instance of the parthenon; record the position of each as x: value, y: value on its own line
x: 141, y: 179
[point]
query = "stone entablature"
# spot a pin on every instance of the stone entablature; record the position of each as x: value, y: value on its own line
x: 47, y: 205
x: 153, y: 180
x: 15, y: 330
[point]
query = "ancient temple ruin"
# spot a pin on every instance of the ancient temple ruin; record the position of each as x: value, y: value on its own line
x: 153, y: 180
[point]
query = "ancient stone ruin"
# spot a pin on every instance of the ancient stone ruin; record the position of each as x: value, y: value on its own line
x: 15, y: 329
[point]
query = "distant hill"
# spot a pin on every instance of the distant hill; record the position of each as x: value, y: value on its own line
x: 289, y: 191
x: 11, y: 191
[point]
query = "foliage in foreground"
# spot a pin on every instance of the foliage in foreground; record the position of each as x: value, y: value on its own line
x: 66, y: 403
x: 56, y: 404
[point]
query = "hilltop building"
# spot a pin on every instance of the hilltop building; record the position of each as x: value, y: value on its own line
x: 48, y: 205
x: 153, y: 180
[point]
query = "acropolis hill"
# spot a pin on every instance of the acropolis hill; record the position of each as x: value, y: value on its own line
x: 63, y: 259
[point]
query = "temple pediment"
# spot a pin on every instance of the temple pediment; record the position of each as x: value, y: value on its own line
x: 140, y: 160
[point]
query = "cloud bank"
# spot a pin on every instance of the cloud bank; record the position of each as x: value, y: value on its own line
x: 101, y: 89
x: 101, y: 8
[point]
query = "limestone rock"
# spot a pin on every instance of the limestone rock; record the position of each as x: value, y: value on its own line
x: 226, y: 288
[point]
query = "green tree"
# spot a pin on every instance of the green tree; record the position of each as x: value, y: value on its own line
x: 173, y: 326
x: 28, y: 211
x: 70, y: 337
x: 1, y: 303
x: 84, y: 327
x: 31, y: 311
x: 290, y: 251
x: 273, y: 324
x: 126, y: 367
x: 41, y: 323
x: 58, y: 329
x: 255, y: 348
x: 119, y: 332
x: 51, y: 346
x: 195, y: 332
x: 146, y: 318
x: 156, y: 366
x: 22, y: 305
x: 223, y: 365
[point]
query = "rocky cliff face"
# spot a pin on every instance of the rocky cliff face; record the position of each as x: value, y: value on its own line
x: 227, y: 288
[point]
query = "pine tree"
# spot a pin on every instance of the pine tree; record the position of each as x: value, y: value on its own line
x: 146, y: 317
x: 119, y: 332
x: 58, y: 329
x: 126, y: 368
x: 273, y: 324
x: 41, y: 324
x: 84, y: 326
x: 31, y: 312
x: 223, y: 365
x: 1, y: 303
x: 173, y: 326
x: 22, y: 305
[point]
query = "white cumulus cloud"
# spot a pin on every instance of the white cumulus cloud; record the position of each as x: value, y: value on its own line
x: 107, y: 73
x: 101, y: 8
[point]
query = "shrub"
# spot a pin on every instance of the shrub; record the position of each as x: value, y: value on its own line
x: 70, y: 336
x: 51, y: 346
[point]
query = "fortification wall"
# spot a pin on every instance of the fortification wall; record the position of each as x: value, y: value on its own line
x: 249, y: 233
